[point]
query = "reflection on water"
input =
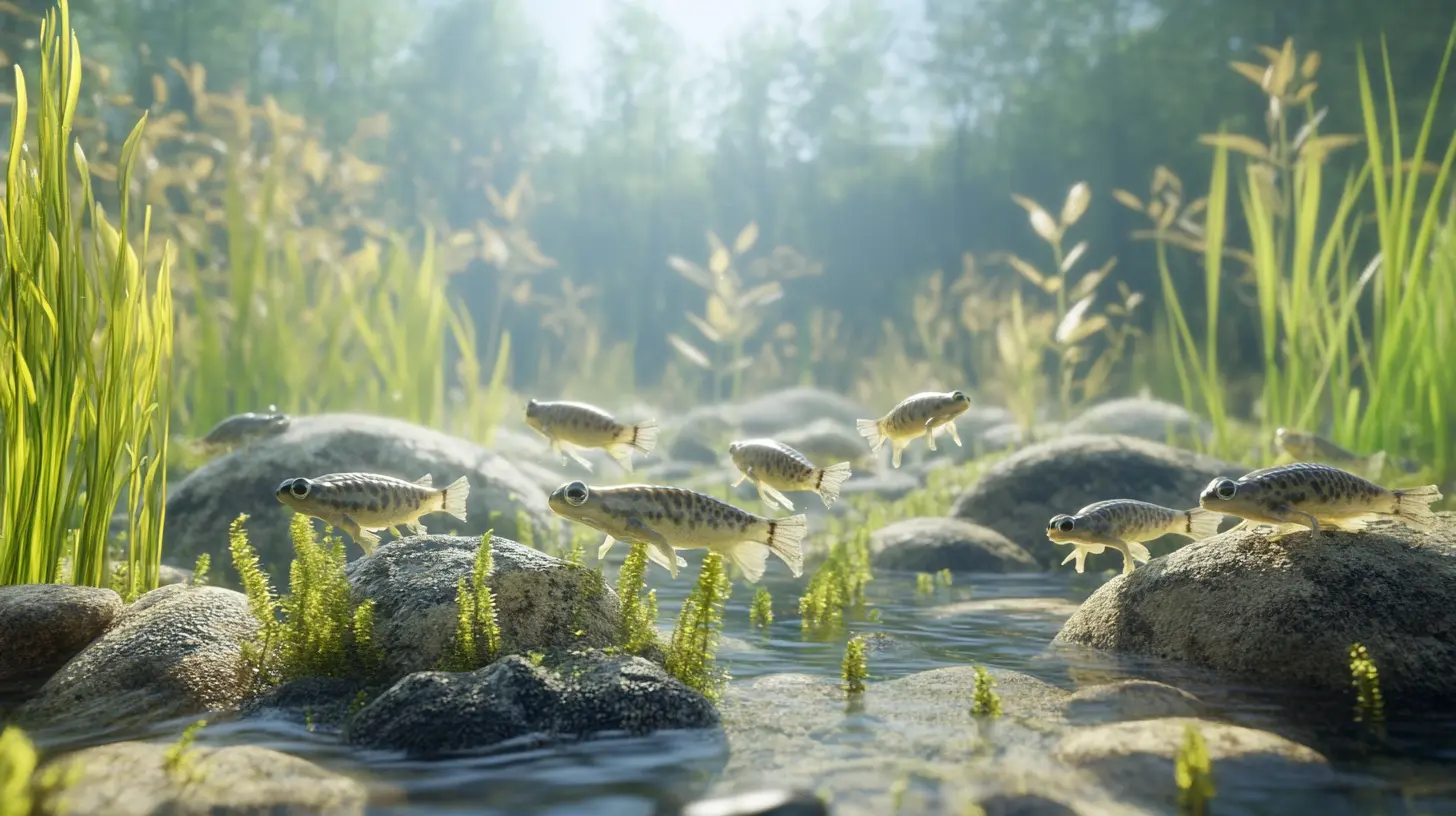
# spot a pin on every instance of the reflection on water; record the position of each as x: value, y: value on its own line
x: 1003, y: 621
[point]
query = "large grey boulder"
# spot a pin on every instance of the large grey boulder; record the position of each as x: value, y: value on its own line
x: 244, y: 481
x: 1284, y: 613
x: 1143, y: 417
x: 175, y: 652
x: 931, y: 543
x: 525, y: 703
x: 44, y: 625
x: 1019, y: 494
x: 136, y: 779
x: 541, y: 603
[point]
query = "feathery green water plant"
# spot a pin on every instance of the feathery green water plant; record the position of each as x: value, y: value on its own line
x: 760, y: 613
x: 85, y: 349
x: 316, y: 630
x: 856, y: 665
x: 1193, y: 774
x: 477, y: 632
x: 17, y: 767
x: 639, y: 613
x: 924, y: 583
x: 837, y: 587
x: 177, y: 759
x: 690, y: 653
x: 1365, y: 677
x: 200, y: 568
x: 985, y: 702
x: 1353, y: 339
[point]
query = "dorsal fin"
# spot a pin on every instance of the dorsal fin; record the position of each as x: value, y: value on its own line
x: 425, y: 481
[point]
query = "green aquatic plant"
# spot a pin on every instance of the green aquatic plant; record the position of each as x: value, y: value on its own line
x: 477, y: 631
x: 314, y: 631
x: 924, y: 583
x: 200, y: 568
x: 1193, y: 773
x: 760, y: 613
x: 944, y: 577
x: 690, y: 653
x: 17, y: 767
x: 837, y: 587
x: 856, y: 666
x: 985, y: 702
x: 177, y: 759
x: 639, y: 614
x: 1365, y: 677
x: 85, y: 348
x: 1381, y: 381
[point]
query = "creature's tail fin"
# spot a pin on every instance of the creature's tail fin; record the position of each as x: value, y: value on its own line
x: 1414, y: 505
x: 454, y: 497
x: 830, y: 479
x: 784, y: 539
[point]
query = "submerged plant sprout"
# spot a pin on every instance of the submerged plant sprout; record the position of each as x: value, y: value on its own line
x: 853, y: 305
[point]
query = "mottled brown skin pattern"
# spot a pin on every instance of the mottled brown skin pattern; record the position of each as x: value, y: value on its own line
x: 1302, y: 445
x: 777, y: 464
x: 242, y: 427
x: 691, y: 514
x: 910, y: 416
x: 1128, y: 519
x: 573, y: 421
x: 371, y: 500
x: 1303, y: 493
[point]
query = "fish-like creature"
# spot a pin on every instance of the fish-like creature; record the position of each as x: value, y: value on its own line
x: 1123, y: 525
x: 576, y: 424
x: 239, y: 429
x: 773, y: 466
x: 360, y: 503
x: 1304, y: 495
x: 1308, y: 447
x: 918, y: 415
x: 668, y: 519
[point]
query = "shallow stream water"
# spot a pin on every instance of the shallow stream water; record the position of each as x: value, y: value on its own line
x: 1000, y: 621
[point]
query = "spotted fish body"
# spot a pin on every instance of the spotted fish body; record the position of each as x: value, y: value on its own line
x: 668, y: 519
x: 1122, y: 525
x: 918, y: 415
x: 1308, y: 495
x: 360, y: 503
x: 773, y: 466
x: 240, y: 428
x: 1310, y: 447
x: 576, y: 424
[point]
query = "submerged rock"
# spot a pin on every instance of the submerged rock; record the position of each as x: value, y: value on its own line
x: 322, y: 702
x: 244, y: 481
x: 44, y: 625
x: 1135, y: 760
x: 1142, y: 417
x: 541, y: 603
x: 1019, y: 494
x: 1131, y: 700
x: 827, y: 442
x: 126, y: 778
x: 1284, y: 613
x: 176, y: 651
x: 760, y: 803
x: 515, y: 700
x: 929, y: 544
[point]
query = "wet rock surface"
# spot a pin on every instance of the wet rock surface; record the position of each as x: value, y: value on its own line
x: 1284, y: 613
x: 244, y: 481
x: 541, y: 603
x: 44, y: 625
x: 176, y: 651
x: 1135, y: 761
x: 1142, y: 417
x: 517, y: 701
x: 1019, y: 494
x: 1129, y: 700
x: 929, y: 544
x: 126, y: 778
x: 760, y: 803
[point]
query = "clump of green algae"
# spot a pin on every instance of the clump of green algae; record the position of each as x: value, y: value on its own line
x: 760, y: 614
x: 1193, y: 773
x: 477, y: 632
x: 856, y: 666
x: 985, y: 702
x: 695, y: 637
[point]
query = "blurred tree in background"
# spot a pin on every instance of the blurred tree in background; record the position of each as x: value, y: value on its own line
x: 882, y: 139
